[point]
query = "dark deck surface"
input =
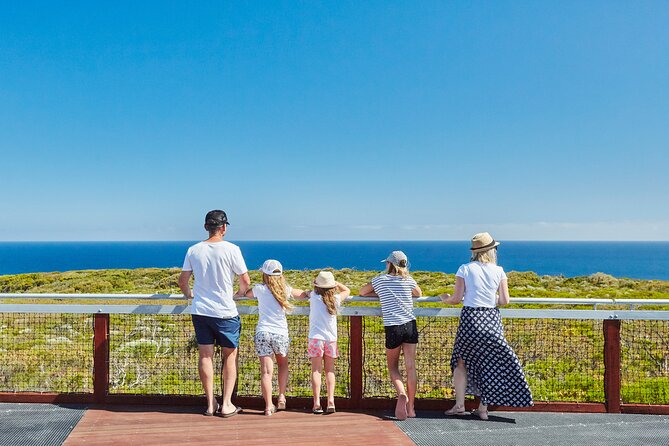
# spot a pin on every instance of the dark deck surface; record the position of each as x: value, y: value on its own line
x: 43, y: 424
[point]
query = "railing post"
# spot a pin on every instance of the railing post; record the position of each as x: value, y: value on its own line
x: 612, y: 365
x: 101, y: 358
x: 356, y: 343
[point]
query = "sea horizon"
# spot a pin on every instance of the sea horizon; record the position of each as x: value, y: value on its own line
x: 630, y: 259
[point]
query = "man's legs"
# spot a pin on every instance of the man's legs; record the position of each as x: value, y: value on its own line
x: 229, y: 378
x: 206, y: 369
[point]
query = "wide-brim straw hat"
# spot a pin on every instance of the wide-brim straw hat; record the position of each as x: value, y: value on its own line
x: 325, y: 279
x: 483, y: 242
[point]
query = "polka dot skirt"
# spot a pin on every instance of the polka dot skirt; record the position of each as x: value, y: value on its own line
x: 494, y: 372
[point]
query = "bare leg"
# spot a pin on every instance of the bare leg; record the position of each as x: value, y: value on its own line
x: 460, y: 384
x: 205, y: 366
x: 316, y: 370
x: 409, y: 351
x: 393, y: 358
x: 330, y: 379
x: 266, y: 372
x: 229, y: 377
x: 282, y: 365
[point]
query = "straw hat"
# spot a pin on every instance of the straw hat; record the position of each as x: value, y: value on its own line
x: 325, y: 279
x: 483, y: 242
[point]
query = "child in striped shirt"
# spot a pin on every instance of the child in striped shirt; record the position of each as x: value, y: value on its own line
x: 395, y: 290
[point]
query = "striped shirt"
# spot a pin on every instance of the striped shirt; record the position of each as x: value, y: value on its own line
x: 395, y: 296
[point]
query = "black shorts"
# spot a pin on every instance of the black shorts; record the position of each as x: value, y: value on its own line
x: 397, y: 335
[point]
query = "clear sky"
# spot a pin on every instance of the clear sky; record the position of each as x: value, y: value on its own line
x: 335, y: 120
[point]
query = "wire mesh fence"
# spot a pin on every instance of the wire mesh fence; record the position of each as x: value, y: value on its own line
x: 46, y: 353
x: 151, y: 354
x: 158, y: 355
x: 562, y: 359
x: 645, y: 362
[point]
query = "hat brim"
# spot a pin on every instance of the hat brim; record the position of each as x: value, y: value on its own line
x: 270, y: 274
x: 485, y: 248
x: 327, y: 286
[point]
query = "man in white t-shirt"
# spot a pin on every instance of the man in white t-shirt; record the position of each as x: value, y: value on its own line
x: 214, y: 263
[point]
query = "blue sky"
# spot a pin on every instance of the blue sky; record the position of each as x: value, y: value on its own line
x: 335, y: 120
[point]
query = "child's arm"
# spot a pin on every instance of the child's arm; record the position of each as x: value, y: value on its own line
x: 343, y: 291
x: 299, y: 294
x: 458, y: 293
x: 368, y: 291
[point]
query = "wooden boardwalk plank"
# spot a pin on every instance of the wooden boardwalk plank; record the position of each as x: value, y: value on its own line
x: 147, y: 426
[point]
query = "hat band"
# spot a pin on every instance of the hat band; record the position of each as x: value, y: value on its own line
x: 489, y: 245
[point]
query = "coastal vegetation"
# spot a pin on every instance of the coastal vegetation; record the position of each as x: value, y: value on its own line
x: 164, y: 281
x: 156, y: 354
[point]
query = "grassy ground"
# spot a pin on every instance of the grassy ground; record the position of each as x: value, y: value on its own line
x: 155, y: 354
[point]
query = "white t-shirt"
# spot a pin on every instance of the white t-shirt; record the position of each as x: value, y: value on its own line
x: 214, y: 266
x: 271, y: 315
x: 322, y: 325
x: 481, y: 283
x: 396, y: 299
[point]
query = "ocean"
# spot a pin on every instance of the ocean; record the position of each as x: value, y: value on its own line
x: 639, y: 260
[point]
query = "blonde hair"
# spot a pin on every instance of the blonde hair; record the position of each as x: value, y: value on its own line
x: 328, y: 296
x: 277, y: 286
x: 393, y: 270
x: 489, y: 256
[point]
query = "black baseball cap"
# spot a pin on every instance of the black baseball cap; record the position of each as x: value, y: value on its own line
x: 215, y: 219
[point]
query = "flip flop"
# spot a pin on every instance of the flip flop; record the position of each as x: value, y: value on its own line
x: 231, y: 414
x: 401, y: 407
x: 317, y: 410
x: 211, y: 414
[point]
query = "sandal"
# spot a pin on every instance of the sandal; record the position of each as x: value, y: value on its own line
x: 455, y: 410
x: 482, y: 414
x: 270, y: 411
x: 281, y: 405
x: 317, y: 410
x: 330, y: 409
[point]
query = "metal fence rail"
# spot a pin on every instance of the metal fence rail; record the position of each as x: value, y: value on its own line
x: 586, y: 360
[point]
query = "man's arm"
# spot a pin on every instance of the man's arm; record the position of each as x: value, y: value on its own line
x: 184, y: 277
x: 244, y: 285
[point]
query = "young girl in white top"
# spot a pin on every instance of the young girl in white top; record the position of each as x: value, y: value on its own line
x: 271, y: 337
x: 324, y: 301
x: 396, y: 290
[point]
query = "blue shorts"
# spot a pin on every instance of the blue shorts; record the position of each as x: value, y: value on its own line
x: 225, y: 332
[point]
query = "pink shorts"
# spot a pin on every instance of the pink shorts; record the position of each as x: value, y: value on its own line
x: 318, y: 348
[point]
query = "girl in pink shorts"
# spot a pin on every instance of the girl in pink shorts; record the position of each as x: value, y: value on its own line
x: 324, y: 301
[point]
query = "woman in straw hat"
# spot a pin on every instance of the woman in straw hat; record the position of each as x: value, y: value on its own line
x: 482, y: 362
x: 396, y: 290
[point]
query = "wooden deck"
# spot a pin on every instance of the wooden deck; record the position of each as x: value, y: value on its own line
x: 159, y: 425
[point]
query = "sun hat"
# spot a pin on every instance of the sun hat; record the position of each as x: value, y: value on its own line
x: 325, y: 279
x: 396, y: 258
x: 483, y: 242
x: 272, y: 267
